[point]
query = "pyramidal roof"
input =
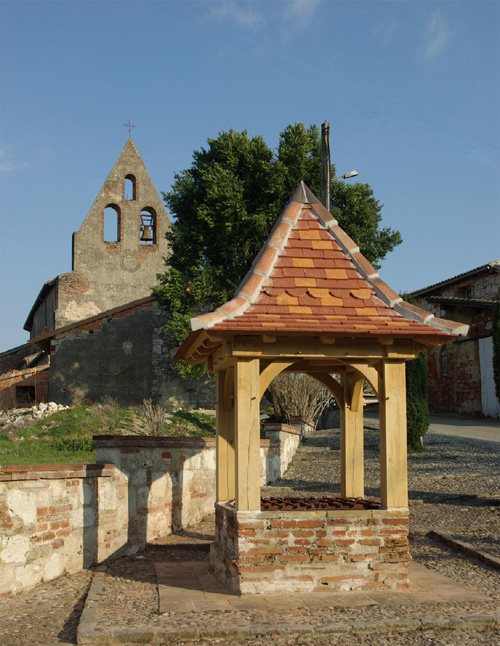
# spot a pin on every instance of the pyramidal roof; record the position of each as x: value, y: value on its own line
x: 311, y: 277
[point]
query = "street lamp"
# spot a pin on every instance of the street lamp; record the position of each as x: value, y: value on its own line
x: 351, y: 173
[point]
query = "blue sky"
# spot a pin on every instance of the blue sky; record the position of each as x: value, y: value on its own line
x: 411, y: 90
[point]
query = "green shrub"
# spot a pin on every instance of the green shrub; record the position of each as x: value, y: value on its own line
x: 74, y: 443
x: 417, y: 402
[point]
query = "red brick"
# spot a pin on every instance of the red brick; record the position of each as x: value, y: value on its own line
x: 265, y: 550
x: 294, y: 558
x: 302, y: 532
x: 310, y: 523
x: 369, y: 541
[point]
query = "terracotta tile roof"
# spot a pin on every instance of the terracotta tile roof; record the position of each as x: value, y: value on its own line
x: 311, y: 277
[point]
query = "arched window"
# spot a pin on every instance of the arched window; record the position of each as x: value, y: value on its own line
x: 129, y: 191
x: 112, y: 223
x: 147, y: 227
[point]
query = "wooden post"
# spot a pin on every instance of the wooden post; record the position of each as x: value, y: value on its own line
x: 247, y: 426
x: 393, y: 452
x: 226, y: 465
x: 351, y: 439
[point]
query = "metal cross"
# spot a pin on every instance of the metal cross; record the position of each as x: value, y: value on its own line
x: 129, y: 126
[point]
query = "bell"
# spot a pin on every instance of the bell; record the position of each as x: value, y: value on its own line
x: 146, y: 235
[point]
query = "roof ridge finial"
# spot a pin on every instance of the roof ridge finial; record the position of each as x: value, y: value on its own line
x: 304, y: 195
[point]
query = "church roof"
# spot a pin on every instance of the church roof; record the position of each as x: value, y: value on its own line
x: 311, y: 277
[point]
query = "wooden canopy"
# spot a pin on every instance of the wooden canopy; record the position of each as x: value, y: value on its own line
x: 312, y: 303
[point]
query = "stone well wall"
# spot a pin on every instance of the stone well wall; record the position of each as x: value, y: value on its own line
x: 301, y: 551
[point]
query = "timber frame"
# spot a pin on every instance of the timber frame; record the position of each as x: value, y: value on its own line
x: 245, y: 366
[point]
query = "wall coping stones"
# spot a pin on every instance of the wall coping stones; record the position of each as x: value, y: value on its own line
x: 283, y: 428
x: 10, y: 473
x: 145, y: 442
x: 400, y: 512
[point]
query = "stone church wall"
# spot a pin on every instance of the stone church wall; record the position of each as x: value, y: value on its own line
x: 123, y: 356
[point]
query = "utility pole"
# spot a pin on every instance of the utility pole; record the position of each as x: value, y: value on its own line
x: 325, y: 165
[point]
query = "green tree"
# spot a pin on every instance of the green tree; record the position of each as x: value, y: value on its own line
x: 225, y: 206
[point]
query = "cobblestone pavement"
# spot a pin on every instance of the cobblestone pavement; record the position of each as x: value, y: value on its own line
x: 454, y: 485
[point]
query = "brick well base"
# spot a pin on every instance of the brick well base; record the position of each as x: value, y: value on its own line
x: 302, y: 551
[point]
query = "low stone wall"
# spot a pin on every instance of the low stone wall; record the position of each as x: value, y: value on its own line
x: 58, y: 519
x: 48, y: 521
x: 170, y: 482
x: 301, y: 551
x: 277, y: 451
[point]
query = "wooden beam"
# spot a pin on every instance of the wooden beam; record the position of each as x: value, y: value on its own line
x: 269, y: 373
x: 371, y: 374
x: 247, y: 426
x: 351, y: 438
x: 393, y: 451
x: 333, y: 386
x: 331, y: 366
x: 309, y: 348
x: 226, y: 466
x: 355, y: 393
x: 223, y: 356
x: 228, y: 385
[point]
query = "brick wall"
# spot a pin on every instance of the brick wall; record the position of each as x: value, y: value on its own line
x: 47, y: 522
x: 454, y: 370
x: 37, y: 378
x: 259, y: 552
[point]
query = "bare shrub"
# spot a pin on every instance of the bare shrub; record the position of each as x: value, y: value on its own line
x: 155, y: 418
x: 108, y: 402
x: 296, y: 394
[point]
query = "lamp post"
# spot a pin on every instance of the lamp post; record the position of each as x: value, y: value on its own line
x: 326, y: 166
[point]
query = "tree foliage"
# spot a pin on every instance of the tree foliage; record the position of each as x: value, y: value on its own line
x: 417, y: 403
x: 417, y: 400
x: 226, y: 204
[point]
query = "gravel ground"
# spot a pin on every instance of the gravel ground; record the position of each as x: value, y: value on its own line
x: 454, y: 485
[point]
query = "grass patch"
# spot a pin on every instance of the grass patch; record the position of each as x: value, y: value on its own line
x: 66, y: 436
x: 191, y: 423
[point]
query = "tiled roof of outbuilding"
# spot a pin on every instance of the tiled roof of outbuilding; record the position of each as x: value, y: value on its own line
x: 311, y: 277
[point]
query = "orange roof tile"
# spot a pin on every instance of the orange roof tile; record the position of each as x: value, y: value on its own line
x: 311, y: 277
